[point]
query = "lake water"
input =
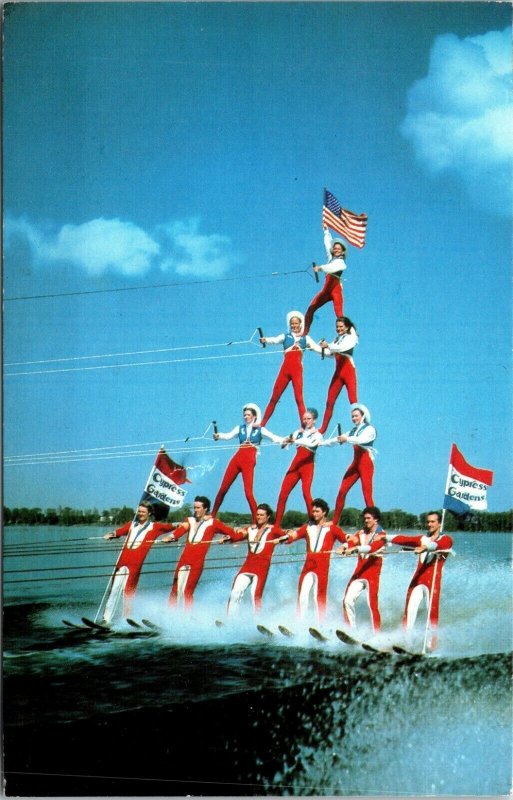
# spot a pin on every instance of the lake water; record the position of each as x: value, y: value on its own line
x: 204, y: 710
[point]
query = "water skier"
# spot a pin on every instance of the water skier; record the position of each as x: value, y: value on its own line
x: 368, y: 543
x: 140, y: 533
x: 200, y: 530
x: 362, y: 437
x: 295, y: 342
x: 262, y: 537
x: 426, y: 583
x: 332, y: 288
x: 250, y: 434
x: 307, y: 439
x: 320, y: 535
x: 341, y: 348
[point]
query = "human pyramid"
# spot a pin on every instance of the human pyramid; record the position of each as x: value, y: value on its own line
x: 308, y: 438
x: 265, y: 531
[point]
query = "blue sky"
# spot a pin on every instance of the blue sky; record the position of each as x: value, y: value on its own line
x: 185, y: 147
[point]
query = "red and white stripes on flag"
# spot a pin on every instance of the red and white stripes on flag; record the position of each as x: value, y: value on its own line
x: 164, y: 482
x: 348, y: 224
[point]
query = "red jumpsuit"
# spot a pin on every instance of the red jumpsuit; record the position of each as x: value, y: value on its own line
x: 345, y: 374
x: 332, y: 288
x: 361, y: 468
x: 365, y: 577
x: 427, y: 579
x: 291, y: 370
x: 254, y: 571
x: 243, y: 462
x: 130, y: 561
x: 190, y: 566
x: 313, y: 580
x: 301, y: 469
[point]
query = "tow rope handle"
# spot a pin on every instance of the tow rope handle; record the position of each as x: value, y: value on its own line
x: 261, y: 334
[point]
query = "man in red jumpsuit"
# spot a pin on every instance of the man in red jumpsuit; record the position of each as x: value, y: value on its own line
x: 200, y: 530
x: 262, y: 538
x: 426, y: 583
x: 368, y: 543
x: 320, y: 535
x: 140, y: 533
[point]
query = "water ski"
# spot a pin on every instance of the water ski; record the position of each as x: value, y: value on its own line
x: 264, y: 631
x: 344, y: 637
x: 347, y: 639
x: 76, y: 627
x: 317, y: 635
x: 133, y: 623
x: 401, y: 651
x: 285, y: 631
x: 95, y: 625
x: 371, y: 649
x: 151, y: 625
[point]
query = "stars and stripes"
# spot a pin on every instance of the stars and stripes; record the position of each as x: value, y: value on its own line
x: 348, y: 224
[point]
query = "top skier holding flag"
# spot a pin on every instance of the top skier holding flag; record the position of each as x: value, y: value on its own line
x: 352, y: 227
x: 332, y: 289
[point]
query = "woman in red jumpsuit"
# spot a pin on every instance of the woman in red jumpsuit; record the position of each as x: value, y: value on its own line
x: 341, y: 348
x: 362, y: 437
x: 294, y: 342
x: 250, y: 435
x: 307, y: 440
x: 332, y: 287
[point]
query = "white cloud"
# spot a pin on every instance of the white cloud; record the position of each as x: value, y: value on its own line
x: 460, y: 116
x: 103, y: 245
x: 111, y: 245
x: 195, y: 254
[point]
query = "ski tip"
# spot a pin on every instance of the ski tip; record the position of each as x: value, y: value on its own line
x: 150, y: 624
x: 133, y: 623
x: 371, y: 649
x: 95, y: 625
x: 344, y: 637
x: 285, y: 631
x: 401, y: 651
x: 219, y: 623
x: 317, y: 635
x: 265, y: 631
x: 74, y: 626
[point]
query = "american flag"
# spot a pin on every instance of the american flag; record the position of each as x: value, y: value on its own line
x: 349, y: 225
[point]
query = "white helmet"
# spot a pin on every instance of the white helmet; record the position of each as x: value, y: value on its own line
x: 299, y: 315
x: 365, y: 411
x: 256, y: 410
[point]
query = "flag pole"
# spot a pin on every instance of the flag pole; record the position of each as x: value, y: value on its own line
x: 442, y: 523
x: 448, y: 479
x: 430, y: 604
x: 108, y: 589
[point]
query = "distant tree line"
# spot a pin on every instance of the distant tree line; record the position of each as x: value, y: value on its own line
x: 395, y: 519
